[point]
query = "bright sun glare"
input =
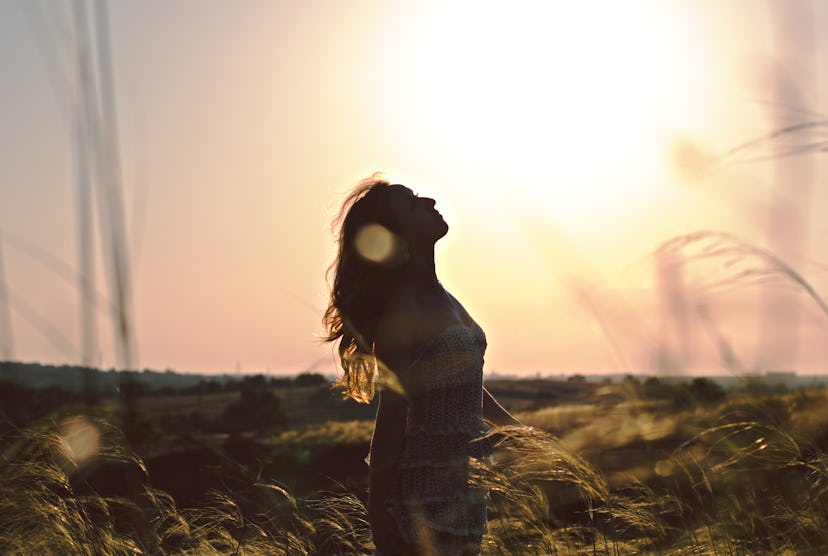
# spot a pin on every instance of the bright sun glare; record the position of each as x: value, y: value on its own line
x: 574, y: 98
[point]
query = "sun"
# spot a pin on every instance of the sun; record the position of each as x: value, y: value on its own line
x: 573, y: 101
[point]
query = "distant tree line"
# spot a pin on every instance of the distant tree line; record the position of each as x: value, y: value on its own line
x: 682, y: 394
x: 30, y: 391
x: 72, y: 378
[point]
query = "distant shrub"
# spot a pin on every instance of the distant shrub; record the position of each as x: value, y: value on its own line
x: 209, y: 387
x: 281, y: 381
x: 258, y: 409
x: 310, y: 379
x: 655, y: 389
x: 701, y: 391
x: 705, y: 391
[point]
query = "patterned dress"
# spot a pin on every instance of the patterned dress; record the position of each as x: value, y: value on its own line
x: 431, y: 500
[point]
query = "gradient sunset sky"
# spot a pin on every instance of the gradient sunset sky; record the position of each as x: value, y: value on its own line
x: 563, y: 141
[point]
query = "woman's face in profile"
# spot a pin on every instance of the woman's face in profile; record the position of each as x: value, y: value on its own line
x: 416, y: 217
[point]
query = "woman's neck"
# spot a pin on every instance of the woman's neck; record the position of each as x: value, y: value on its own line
x: 421, y: 270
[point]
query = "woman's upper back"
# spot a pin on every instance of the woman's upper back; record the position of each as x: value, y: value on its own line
x: 412, y: 317
x: 426, y: 340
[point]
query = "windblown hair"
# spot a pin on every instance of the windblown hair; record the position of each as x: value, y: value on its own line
x: 360, y: 288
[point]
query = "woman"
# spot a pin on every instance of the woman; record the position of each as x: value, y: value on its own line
x: 390, y: 313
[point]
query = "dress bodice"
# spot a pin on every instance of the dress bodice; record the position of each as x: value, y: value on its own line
x: 452, y: 357
x: 444, y: 383
x: 444, y: 426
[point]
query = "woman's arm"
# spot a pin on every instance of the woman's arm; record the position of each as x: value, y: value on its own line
x: 494, y: 413
x: 386, y: 449
x: 386, y: 445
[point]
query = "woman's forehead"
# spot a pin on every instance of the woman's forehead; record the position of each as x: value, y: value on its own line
x: 398, y: 197
x: 402, y: 189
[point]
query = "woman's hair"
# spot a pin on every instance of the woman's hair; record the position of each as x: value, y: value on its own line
x: 366, y: 265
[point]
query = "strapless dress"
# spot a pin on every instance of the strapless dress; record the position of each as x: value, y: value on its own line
x: 431, y: 499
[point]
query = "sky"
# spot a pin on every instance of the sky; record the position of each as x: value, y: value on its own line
x: 566, y: 144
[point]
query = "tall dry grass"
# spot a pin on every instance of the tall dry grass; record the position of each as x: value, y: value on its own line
x: 747, y: 477
x: 46, y: 508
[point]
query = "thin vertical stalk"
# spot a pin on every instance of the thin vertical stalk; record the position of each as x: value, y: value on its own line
x: 110, y: 187
x: 83, y: 122
x: 6, y: 334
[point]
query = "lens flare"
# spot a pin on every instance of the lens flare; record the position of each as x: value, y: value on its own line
x: 80, y: 439
x: 665, y: 467
x: 375, y: 243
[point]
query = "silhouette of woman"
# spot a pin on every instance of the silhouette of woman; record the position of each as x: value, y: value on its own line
x: 392, y: 316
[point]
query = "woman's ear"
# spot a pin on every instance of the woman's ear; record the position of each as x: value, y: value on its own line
x: 401, y: 252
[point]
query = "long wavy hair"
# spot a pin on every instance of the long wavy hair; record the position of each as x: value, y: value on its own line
x: 360, y: 285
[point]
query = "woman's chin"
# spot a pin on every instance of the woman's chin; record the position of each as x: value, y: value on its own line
x: 443, y: 230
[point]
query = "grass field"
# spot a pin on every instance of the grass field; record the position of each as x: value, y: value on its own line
x: 598, y: 469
